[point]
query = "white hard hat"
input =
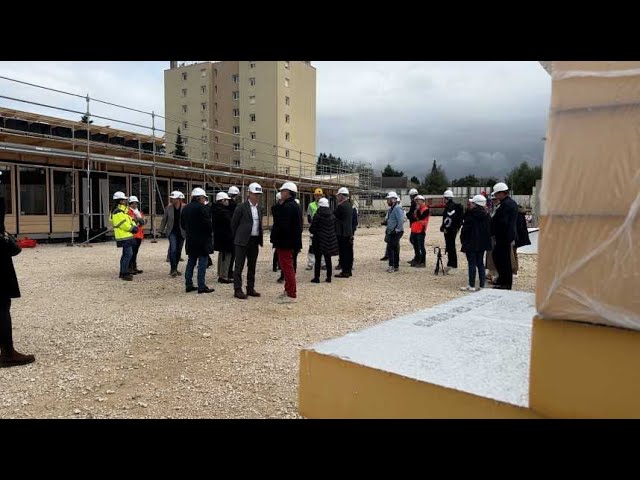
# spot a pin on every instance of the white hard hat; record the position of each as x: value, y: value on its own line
x: 254, y: 188
x: 297, y: 201
x: 181, y: 194
x: 447, y: 194
x: 292, y: 187
x: 419, y: 197
x: 222, y: 196
x: 233, y: 191
x: 133, y: 199
x: 323, y: 202
x: 119, y: 196
x: 392, y: 195
x: 176, y: 194
x: 343, y: 191
x: 413, y: 191
x: 479, y: 200
x: 198, y: 192
x: 278, y: 196
x: 500, y: 187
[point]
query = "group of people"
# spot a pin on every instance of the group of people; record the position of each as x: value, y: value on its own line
x: 235, y: 231
x: 490, y: 234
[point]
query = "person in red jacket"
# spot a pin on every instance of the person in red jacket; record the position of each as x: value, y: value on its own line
x: 419, y: 225
x: 138, y: 217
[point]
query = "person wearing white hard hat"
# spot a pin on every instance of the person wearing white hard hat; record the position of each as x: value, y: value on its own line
x: 413, y: 193
x: 419, y: 231
x: 286, y: 235
x: 246, y: 229
x: 137, y: 216
x: 503, y: 228
x: 475, y: 237
x: 172, y: 229
x: 394, y: 231
x: 325, y: 242
x: 123, y: 230
x: 451, y: 223
x: 311, y: 211
x: 9, y: 357
x: 222, y: 239
x: 196, y: 221
x: 344, y: 231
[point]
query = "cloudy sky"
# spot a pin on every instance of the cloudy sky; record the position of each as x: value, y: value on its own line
x: 473, y: 117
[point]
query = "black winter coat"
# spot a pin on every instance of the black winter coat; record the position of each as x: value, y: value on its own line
x: 222, y: 238
x: 196, y: 222
x: 323, y: 229
x: 8, y: 280
x: 503, y: 223
x: 476, y: 231
x: 286, y: 232
x: 452, y: 217
x: 344, y: 219
x: 522, y: 232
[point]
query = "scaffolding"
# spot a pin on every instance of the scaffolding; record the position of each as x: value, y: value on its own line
x: 96, y: 148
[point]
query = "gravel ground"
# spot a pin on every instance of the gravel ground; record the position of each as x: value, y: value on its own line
x: 145, y: 349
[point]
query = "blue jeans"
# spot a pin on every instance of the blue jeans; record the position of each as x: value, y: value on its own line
x: 127, y: 255
x: 202, y: 270
x: 476, y: 260
x: 175, y: 249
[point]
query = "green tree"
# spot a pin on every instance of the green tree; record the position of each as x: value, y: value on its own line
x: 179, y: 151
x: 522, y: 179
x: 389, y: 171
x: 85, y: 119
x: 468, y: 181
x: 328, y: 164
x: 415, y: 180
x: 487, y: 181
x: 436, y: 181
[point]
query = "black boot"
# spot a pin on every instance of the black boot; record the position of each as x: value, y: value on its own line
x: 10, y: 358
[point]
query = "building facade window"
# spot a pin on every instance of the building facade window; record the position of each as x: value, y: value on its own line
x: 287, y: 101
x: 235, y: 78
x: 286, y: 170
x: 236, y: 95
x: 287, y: 118
x: 62, y: 192
x: 184, y: 75
x: 33, y: 191
x: 252, y: 81
x: 204, y: 155
x: 203, y: 89
x: 236, y: 163
x: 253, y: 153
x: 204, y: 124
x: 236, y: 129
x: 236, y: 112
x: 252, y: 135
x: 185, y: 125
x: 252, y: 99
x: 217, y: 156
x: 203, y: 73
x: 286, y: 153
x: 236, y: 147
x: 286, y: 64
x: 252, y: 117
x: 184, y: 109
x: 215, y: 139
x: 203, y: 105
x: 287, y: 136
x: 5, y: 189
x: 286, y: 82
x: 252, y: 64
x: 184, y: 92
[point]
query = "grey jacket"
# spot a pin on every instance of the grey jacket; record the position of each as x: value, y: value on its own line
x: 242, y: 224
x: 166, y: 226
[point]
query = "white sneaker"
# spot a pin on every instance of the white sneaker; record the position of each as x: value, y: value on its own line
x: 287, y: 299
x: 390, y: 270
x: 451, y: 270
x: 469, y: 289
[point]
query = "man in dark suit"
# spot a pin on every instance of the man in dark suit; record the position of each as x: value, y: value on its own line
x: 246, y: 229
x: 503, y: 228
x: 195, y: 219
x: 9, y: 289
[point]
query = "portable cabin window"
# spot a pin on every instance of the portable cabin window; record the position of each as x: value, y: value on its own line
x: 6, y: 190
x: 33, y: 191
x: 62, y: 192
x: 140, y: 188
x: 162, y: 195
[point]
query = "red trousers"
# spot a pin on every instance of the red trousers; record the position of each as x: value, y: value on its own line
x: 285, y: 258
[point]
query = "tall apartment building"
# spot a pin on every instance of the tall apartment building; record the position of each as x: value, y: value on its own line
x: 263, y: 113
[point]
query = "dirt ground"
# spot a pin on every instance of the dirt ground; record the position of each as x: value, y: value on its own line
x: 145, y: 349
